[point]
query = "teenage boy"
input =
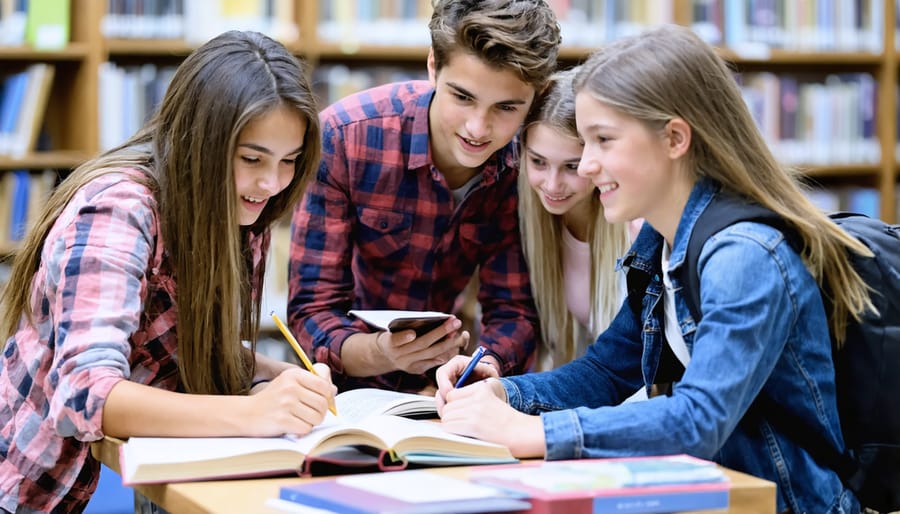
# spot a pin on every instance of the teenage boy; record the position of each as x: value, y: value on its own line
x: 415, y: 191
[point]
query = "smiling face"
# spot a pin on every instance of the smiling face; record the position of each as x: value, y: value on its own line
x: 551, y: 164
x: 636, y: 170
x: 476, y: 110
x: 264, y: 159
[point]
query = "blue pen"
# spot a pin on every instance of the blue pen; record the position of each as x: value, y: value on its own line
x: 479, y: 353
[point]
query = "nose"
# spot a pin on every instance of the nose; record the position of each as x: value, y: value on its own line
x: 589, y: 164
x: 268, y: 180
x: 478, y: 125
x: 554, y: 180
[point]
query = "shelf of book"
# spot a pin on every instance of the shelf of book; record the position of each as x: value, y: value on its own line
x: 857, y: 39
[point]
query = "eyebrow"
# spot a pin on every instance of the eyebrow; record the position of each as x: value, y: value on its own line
x: 460, y: 89
x: 539, y: 156
x: 263, y: 149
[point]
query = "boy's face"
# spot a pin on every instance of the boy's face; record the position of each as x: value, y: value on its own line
x: 476, y: 110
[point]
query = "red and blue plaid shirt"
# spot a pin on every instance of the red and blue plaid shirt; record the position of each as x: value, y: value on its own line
x: 104, y: 310
x: 380, y: 229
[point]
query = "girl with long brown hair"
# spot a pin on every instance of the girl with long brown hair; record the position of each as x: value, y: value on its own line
x: 134, y: 303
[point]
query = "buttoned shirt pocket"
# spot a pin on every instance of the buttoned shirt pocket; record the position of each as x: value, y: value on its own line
x: 383, y: 236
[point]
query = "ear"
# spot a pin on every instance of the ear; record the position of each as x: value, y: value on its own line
x: 432, y: 72
x: 678, y: 134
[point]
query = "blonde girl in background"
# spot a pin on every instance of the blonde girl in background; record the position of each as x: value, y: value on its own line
x: 570, y: 248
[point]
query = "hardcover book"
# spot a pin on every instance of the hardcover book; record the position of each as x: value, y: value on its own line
x: 636, y: 485
x: 407, y: 492
x: 389, y: 441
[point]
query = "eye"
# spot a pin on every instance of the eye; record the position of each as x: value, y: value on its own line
x: 289, y: 161
x: 462, y: 97
x: 507, y: 108
x: 250, y: 159
x: 572, y: 166
x: 537, y: 163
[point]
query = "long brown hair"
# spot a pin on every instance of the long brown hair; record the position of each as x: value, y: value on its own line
x: 185, y: 154
x: 542, y: 242
x: 670, y: 73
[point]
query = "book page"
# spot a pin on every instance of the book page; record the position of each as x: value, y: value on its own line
x: 180, y: 450
x: 395, y: 431
x: 357, y: 404
x: 418, y: 487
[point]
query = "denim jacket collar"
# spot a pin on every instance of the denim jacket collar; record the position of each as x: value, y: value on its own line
x: 644, y: 253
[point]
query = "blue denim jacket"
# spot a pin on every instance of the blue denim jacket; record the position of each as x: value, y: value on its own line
x: 764, y: 329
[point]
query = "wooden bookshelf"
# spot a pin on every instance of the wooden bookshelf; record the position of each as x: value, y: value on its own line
x: 72, y: 119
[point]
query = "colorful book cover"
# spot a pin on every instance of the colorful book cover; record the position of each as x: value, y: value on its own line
x: 47, y: 24
x: 402, y: 492
x: 637, y: 485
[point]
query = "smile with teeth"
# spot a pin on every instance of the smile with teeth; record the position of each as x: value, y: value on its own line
x: 556, y: 198
x: 607, y: 187
x: 253, y: 199
x: 473, y: 142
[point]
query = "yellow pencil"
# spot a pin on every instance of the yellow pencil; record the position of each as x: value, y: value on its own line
x: 299, y: 351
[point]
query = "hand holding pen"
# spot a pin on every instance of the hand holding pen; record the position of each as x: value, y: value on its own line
x: 479, y: 353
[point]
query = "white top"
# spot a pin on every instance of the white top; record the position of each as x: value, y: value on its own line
x: 577, y: 276
x: 672, y: 330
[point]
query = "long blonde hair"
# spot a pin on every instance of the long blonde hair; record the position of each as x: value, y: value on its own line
x: 542, y: 240
x: 670, y: 73
x: 184, y: 156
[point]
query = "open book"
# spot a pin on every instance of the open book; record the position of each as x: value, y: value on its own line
x: 396, y: 441
x: 393, y: 320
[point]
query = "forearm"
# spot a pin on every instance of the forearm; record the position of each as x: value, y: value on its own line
x: 362, y: 358
x: 133, y: 409
x: 268, y: 368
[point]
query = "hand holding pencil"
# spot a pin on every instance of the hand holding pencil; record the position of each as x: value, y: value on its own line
x: 300, y: 353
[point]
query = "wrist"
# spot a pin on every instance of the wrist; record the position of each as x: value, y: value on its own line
x: 258, y: 385
x: 490, y: 360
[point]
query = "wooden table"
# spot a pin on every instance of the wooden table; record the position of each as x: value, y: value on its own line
x: 749, y: 495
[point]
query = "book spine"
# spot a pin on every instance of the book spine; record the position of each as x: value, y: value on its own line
x: 661, y: 502
x: 316, y: 502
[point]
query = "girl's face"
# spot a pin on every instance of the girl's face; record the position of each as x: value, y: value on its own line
x: 551, y: 163
x: 264, y: 159
x: 633, y: 167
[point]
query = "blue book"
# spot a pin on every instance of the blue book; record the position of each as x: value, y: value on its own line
x: 10, y: 107
x: 19, y: 208
x: 401, y: 492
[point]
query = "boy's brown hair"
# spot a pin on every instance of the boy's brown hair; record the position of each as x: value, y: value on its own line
x: 518, y: 35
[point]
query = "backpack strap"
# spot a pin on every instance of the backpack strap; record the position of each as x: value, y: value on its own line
x: 723, y: 211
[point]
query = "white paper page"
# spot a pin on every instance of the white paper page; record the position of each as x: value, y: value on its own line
x: 358, y: 404
x: 418, y: 486
x: 393, y: 428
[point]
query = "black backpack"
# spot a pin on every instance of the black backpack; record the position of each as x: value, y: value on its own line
x: 867, y: 366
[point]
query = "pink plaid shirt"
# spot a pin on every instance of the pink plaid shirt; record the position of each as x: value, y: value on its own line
x: 103, y: 302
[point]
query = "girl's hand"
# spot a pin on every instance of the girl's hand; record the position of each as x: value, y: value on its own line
x: 449, y: 373
x: 293, y: 403
x: 478, y: 411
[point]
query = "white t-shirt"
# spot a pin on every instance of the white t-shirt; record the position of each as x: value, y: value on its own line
x: 577, y: 277
x: 672, y: 329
